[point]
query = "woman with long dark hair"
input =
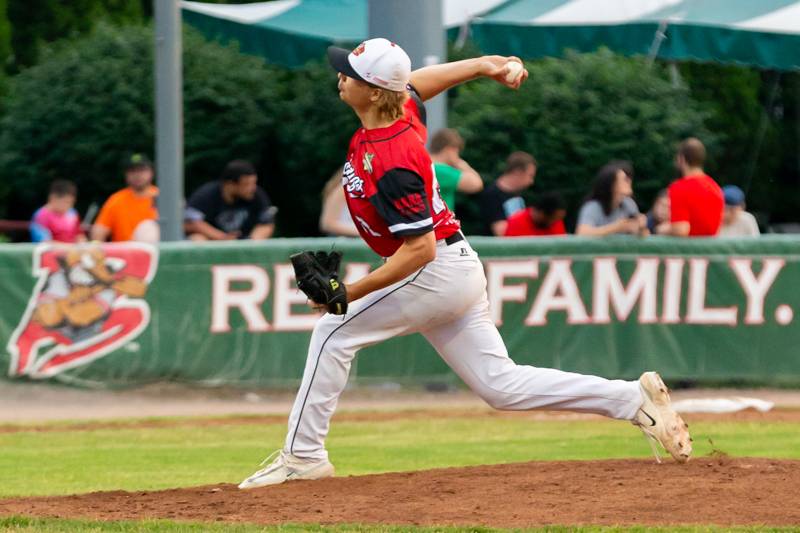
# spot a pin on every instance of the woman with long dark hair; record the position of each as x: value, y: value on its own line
x: 609, y: 209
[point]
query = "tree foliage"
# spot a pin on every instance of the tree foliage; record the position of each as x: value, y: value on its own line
x: 779, y: 198
x: 309, y: 144
x: 87, y: 104
x: 5, y: 35
x: 576, y: 114
x: 37, y: 22
x: 89, y: 100
x: 753, y: 113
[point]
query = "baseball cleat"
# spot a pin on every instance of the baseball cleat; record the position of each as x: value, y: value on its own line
x: 659, y: 422
x: 287, y: 467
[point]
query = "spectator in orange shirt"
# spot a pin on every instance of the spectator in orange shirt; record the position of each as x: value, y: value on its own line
x: 696, y: 201
x: 545, y: 217
x: 131, y: 214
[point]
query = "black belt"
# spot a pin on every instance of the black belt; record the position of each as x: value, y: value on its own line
x: 454, y: 238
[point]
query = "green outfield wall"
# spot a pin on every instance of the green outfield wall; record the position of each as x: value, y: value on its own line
x: 229, y: 313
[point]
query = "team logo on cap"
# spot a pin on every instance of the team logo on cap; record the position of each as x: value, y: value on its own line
x: 360, y: 49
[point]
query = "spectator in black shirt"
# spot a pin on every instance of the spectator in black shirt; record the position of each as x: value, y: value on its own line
x: 502, y: 198
x: 234, y: 207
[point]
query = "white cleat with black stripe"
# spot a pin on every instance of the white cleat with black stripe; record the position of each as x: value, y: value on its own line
x: 659, y: 422
x: 287, y: 467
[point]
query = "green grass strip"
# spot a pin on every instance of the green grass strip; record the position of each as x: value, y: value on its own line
x: 69, y: 462
x: 24, y: 525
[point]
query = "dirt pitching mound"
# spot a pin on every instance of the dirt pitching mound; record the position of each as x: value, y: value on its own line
x: 708, y: 490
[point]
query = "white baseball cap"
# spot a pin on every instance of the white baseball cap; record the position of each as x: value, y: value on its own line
x: 379, y: 62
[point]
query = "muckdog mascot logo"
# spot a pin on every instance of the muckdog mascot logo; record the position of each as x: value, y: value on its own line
x: 87, y: 303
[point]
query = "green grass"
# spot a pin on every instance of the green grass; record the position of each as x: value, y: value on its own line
x: 162, y: 526
x: 69, y: 461
x: 75, y: 461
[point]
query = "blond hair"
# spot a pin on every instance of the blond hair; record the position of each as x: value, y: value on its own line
x: 390, y: 104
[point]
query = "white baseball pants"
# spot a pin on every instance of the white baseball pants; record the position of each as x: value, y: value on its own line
x: 446, y: 302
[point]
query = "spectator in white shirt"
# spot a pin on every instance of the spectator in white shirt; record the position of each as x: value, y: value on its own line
x: 736, y: 222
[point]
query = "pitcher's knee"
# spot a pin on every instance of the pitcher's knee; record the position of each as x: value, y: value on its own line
x: 327, y: 323
x: 496, y: 399
x: 330, y: 340
x: 325, y: 329
x: 500, y: 401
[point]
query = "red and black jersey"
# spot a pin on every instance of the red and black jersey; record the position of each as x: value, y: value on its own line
x: 390, y: 185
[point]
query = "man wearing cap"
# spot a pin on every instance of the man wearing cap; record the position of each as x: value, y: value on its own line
x: 130, y: 214
x: 736, y: 222
x: 432, y: 281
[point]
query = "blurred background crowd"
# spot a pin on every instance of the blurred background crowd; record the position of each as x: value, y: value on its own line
x: 236, y: 207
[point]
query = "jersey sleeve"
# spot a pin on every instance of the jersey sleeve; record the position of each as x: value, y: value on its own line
x: 200, y: 205
x: 448, y: 177
x: 401, y: 201
x: 558, y: 228
x: 516, y: 224
x: 751, y: 223
x: 679, y: 206
x: 630, y: 206
x: 591, y: 214
x: 265, y: 212
x: 75, y: 223
x: 416, y: 106
x: 38, y: 228
x: 491, y: 206
x: 106, y: 216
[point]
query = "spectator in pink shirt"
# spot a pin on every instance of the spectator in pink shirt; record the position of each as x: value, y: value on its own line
x: 57, y: 221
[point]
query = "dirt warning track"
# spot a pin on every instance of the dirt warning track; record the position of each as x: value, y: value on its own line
x: 708, y: 490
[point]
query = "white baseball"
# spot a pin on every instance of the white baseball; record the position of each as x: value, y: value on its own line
x: 514, y: 71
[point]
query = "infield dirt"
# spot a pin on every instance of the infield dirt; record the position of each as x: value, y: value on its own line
x: 708, y: 490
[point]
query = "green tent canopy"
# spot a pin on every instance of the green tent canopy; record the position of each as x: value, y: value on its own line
x: 760, y: 33
x: 292, y: 32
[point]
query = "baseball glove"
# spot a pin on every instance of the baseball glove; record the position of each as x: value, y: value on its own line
x: 317, y: 275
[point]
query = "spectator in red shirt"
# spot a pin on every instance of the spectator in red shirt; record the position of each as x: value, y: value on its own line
x: 544, y: 217
x: 696, y: 201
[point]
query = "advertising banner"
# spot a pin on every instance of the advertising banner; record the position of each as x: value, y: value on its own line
x: 230, y: 313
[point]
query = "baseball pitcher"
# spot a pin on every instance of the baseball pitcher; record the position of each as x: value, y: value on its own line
x: 432, y: 281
